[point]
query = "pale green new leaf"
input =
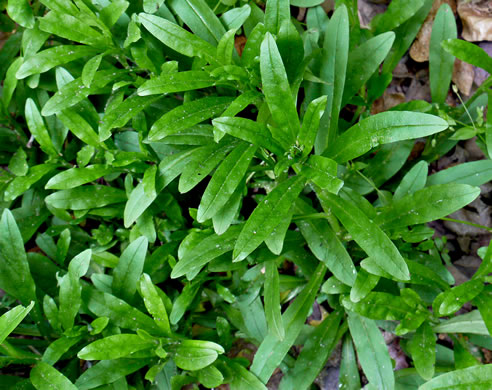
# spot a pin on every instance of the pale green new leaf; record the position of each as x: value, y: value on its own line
x: 276, y: 12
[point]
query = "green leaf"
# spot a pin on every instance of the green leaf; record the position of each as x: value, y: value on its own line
x: 477, y: 377
x: 52, y: 57
x: 266, y: 216
x: 205, y: 251
x: 379, y: 306
x: 361, y: 67
x: 468, y: 52
x: 178, y: 38
x: 372, y: 351
x: 86, y: 197
x: 80, y: 127
x: 194, y: 355
x: 12, y: 318
x: 333, y: 72
x: 440, y: 62
x: 37, y: 128
x: 310, y: 124
x: 325, y: 245
x: 45, y: 377
x: 244, y: 379
x: 314, y: 354
x: 471, y: 322
x: 22, y: 183
x: 75, y: 91
x: 414, y: 180
x: 474, y: 173
x: 75, y: 177
x: 397, y: 13
x: 71, y: 288
x: 176, y: 82
x: 187, y: 115
x: 275, y: 241
x: 200, y: 18
x: 272, y: 301
x: 129, y: 269
x: 10, y: 82
x: 305, y: 3
x: 427, y: 204
x: 383, y: 128
x: 349, y: 372
x: 368, y: 235
x: 249, y: 131
x: 364, y: 283
x: 90, y: 68
x: 422, y: 347
x: 154, y: 304
x: 455, y: 298
x: 21, y: 12
x: 272, y: 351
x: 225, y: 180
x: 276, y: 12
x: 210, y: 377
x: 108, y: 371
x: 15, y: 276
x: 276, y: 89
x: 225, y: 48
x: 118, y: 311
x: 151, y: 6
x: 323, y: 172
x: 483, y: 302
x: 202, y: 164
x: 115, y: 347
x: 235, y: 17
x: 290, y: 46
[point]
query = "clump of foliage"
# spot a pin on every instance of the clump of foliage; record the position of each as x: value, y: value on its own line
x: 173, y: 200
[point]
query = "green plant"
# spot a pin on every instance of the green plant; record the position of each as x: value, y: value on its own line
x: 165, y: 196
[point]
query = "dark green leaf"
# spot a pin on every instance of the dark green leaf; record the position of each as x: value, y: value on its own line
x: 115, y: 347
x: 422, y: 347
x: 75, y: 177
x: 86, y: 197
x: 272, y: 301
x: 468, y: 52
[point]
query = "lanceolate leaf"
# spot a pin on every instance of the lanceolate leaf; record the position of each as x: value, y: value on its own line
x: 272, y: 300
x: 474, y: 173
x: 427, y: 205
x: 45, y: 377
x: 12, y: 318
x: 75, y: 177
x: 362, y: 66
x: 176, y: 82
x: 276, y: 89
x: 225, y: 181
x: 477, y: 377
x: 86, y: 197
x: 440, y: 62
x: 372, y: 351
x: 271, y: 352
x: 333, y: 71
x: 178, y: 38
x: 314, y: 354
x: 325, y: 245
x: 468, y: 52
x: 129, y: 268
x: 52, y: 57
x: 368, y: 235
x: 383, y: 128
x: 275, y: 13
x: 37, y: 127
x: 187, y: 115
x: 267, y: 216
x: 310, y: 124
x: 114, y: 347
x: 422, y: 347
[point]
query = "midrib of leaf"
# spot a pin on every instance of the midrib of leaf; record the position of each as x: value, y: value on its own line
x: 202, y: 20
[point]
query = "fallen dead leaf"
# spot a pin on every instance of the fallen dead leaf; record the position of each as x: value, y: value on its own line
x: 463, y: 75
x: 420, y: 48
x: 476, y: 16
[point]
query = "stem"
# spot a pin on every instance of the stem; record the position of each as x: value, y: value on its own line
x: 467, y: 223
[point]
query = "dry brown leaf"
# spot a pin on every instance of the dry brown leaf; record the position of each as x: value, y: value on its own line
x: 476, y: 16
